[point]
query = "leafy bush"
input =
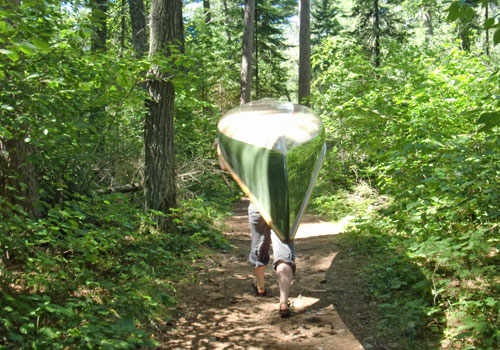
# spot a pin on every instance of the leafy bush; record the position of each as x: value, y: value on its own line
x: 422, y: 130
x: 86, y: 277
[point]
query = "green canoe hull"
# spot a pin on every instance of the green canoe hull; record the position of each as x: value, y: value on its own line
x: 278, y: 182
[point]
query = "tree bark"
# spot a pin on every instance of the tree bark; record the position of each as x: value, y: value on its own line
x: 138, y: 24
x: 246, y: 59
x: 487, y: 38
x: 376, y: 45
x: 100, y: 18
x: 18, y: 183
x: 18, y: 180
x: 226, y: 22
x: 206, y: 11
x: 465, y: 35
x: 159, y: 175
x: 305, y: 52
x: 430, y: 27
x: 256, y: 49
x: 123, y: 27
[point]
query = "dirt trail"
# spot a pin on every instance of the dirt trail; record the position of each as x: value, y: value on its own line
x: 219, y: 311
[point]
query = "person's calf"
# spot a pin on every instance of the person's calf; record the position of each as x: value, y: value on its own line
x: 284, y: 273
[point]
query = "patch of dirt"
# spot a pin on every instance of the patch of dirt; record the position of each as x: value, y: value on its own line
x: 329, y: 308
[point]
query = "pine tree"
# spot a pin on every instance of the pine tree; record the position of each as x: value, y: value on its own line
x: 376, y: 20
x: 271, y: 72
x: 324, y: 22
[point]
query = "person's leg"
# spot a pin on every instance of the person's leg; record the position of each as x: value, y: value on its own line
x: 284, y: 272
x: 259, y: 275
x: 284, y: 264
x: 259, y: 250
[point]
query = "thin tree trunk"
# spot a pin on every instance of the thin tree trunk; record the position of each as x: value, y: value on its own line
x: 159, y: 174
x: 226, y: 22
x: 246, y: 59
x: 487, y: 39
x: 305, y: 52
x: 18, y: 183
x: 465, y: 35
x: 428, y: 21
x: 206, y: 11
x: 376, y: 46
x: 100, y: 18
x: 123, y: 27
x: 256, y: 48
x: 138, y: 24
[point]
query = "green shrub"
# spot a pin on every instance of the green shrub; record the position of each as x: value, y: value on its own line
x: 86, y: 277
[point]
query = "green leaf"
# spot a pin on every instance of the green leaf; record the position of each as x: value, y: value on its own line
x: 41, y: 45
x: 122, y: 80
x: 92, y: 258
x: 489, y: 23
x: 496, y: 37
x: 3, y: 26
x: 489, y: 119
x: 27, y: 47
x: 453, y: 11
x: 469, y: 14
x: 11, y: 54
x: 48, y: 333
x: 490, y: 301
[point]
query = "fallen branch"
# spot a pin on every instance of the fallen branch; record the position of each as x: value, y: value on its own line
x: 133, y: 187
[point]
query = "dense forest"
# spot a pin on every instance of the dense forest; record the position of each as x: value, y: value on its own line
x: 110, y: 189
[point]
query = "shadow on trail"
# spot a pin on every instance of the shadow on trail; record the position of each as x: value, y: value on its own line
x: 378, y: 294
x: 332, y: 308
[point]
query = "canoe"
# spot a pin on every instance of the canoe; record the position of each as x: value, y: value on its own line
x: 273, y: 150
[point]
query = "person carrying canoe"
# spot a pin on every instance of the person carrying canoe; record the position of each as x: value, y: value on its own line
x: 284, y: 254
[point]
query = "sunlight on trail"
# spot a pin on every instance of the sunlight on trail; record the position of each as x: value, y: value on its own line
x: 322, y: 228
x: 303, y: 302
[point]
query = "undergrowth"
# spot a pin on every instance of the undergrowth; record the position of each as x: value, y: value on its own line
x: 432, y: 292
x: 86, y: 277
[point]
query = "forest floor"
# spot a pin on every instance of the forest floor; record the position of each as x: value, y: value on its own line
x: 330, y: 309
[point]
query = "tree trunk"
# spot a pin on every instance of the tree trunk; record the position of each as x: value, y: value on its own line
x: 123, y: 28
x: 138, y: 24
x: 305, y: 52
x: 206, y: 11
x: 376, y: 45
x: 100, y: 18
x: 246, y: 59
x: 226, y: 22
x: 17, y: 174
x: 487, y: 39
x: 256, y: 48
x: 18, y: 185
x: 430, y: 27
x: 465, y: 35
x: 159, y: 174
